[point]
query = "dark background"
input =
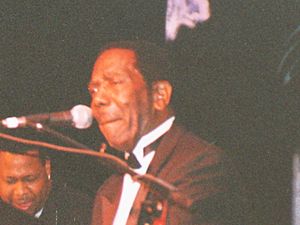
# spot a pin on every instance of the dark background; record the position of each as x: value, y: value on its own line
x: 227, y: 88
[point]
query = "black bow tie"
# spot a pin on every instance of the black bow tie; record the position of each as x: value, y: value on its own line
x: 133, y: 162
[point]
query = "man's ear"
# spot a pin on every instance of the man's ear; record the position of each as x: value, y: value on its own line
x: 48, y: 168
x: 161, y: 94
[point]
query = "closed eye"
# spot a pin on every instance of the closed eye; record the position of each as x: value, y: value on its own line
x: 30, y: 179
x: 11, y: 180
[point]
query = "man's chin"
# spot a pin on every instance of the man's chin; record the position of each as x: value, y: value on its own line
x: 111, y: 131
x: 28, y: 207
x: 120, y: 145
x: 117, y: 136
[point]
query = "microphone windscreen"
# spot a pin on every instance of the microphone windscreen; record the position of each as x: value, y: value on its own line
x: 82, y: 117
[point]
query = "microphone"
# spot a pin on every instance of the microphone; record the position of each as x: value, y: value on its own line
x: 80, y: 116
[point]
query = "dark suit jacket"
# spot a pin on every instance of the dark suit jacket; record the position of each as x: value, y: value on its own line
x: 66, y: 206
x: 195, y: 167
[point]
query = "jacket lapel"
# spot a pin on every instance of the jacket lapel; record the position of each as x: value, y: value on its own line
x: 108, y: 201
x: 164, y: 149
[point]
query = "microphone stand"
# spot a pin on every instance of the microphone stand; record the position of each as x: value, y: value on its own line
x: 41, y: 127
x: 165, y: 189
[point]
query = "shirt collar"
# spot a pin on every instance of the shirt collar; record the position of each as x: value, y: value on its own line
x: 152, y: 136
x: 38, y: 214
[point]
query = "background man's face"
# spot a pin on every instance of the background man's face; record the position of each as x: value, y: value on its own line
x: 120, y: 101
x: 24, y: 181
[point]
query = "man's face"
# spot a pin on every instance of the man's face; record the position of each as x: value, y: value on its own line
x: 119, y: 98
x: 24, y: 182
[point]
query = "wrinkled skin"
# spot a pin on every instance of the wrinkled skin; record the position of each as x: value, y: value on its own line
x: 119, y: 98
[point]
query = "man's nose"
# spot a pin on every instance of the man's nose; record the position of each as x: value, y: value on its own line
x: 20, y: 188
x: 100, y: 97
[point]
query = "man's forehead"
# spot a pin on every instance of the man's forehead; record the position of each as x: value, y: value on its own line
x: 20, y: 167
x: 116, y: 56
x: 12, y: 156
x: 113, y: 63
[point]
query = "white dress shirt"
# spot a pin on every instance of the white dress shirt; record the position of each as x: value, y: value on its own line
x: 131, y: 187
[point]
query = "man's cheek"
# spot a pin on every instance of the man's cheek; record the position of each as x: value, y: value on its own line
x: 9, y: 198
